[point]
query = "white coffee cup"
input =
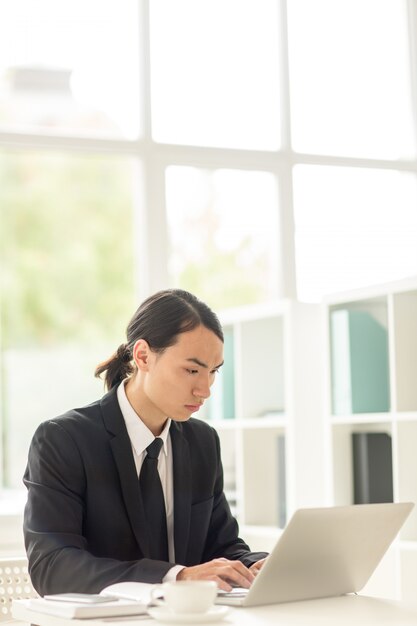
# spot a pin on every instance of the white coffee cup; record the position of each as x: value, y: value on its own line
x: 185, y: 596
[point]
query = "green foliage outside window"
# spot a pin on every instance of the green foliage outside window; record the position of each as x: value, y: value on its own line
x: 66, y: 248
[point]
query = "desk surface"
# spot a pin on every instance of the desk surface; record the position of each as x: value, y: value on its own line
x: 351, y: 610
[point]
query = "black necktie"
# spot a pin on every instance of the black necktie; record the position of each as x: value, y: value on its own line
x: 153, y: 502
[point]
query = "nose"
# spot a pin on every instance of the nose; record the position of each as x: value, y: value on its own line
x: 202, y: 390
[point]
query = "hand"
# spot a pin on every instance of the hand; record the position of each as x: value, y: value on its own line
x: 255, y: 567
x: 224, y: 572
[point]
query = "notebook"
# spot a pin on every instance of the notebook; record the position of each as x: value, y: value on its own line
x: 117, y: 600
x: 324, y: 552
x: 77, y: 610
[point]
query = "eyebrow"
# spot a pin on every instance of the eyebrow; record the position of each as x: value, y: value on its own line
x: 201, y: 364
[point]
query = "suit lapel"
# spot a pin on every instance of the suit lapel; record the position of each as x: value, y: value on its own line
x: 182, y: 476
x: 182, y: 491
x: 122, y: 454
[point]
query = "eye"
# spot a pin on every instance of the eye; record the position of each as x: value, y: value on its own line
x: 190, y: 371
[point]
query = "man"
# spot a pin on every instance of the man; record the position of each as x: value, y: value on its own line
x: 88, y: 518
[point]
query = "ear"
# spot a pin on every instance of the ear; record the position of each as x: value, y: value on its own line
x: 140, y: 353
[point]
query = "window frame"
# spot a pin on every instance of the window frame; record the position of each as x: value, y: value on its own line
x: 150, y: 220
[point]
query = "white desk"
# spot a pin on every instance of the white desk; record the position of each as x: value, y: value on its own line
x: 348, y: 610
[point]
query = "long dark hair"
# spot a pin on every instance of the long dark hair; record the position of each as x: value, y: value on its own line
x: 159, y: 320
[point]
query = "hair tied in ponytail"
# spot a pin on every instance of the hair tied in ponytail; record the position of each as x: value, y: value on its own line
x: 123, y: 353
x: 159, y: 320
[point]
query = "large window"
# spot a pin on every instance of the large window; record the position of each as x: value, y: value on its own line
x: 67, y: 284
x: 245, y: 150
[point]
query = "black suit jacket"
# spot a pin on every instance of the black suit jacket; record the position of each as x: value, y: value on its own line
x: 84, y: 522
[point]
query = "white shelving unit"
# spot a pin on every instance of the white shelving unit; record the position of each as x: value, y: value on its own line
x: 266, y: 407
x: 388, y: 310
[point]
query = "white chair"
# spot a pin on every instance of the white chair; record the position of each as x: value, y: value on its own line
x: 15, y: 584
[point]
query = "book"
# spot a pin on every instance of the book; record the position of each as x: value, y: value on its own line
x: 360, y: 373
x: 372, y: 468
x: 221, y: 404
x: 131, y: 599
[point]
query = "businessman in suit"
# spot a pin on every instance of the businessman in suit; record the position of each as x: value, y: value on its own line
x: 87, y: 522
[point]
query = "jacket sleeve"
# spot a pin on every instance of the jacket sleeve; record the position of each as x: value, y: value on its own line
x: 59, y: 559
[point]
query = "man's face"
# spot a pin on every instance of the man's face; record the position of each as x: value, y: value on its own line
x: 178, y: 381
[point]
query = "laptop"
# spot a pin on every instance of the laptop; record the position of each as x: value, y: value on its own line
x: 324, y: 552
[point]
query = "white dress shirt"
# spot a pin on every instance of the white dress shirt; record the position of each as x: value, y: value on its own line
x: 141, y: 437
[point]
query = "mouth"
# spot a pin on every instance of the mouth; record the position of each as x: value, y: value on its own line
x: 193, y: 407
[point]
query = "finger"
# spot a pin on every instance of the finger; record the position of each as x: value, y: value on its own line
x: 236, y: 565
x: 243, y: 571
x: 256, y: 567
x: 222, y: 584
x: 238, y: 578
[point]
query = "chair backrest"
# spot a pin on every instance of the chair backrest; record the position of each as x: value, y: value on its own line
x: 14, y: 584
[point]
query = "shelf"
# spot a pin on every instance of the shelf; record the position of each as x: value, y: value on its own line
x: 249, y: 423
x: 265, y: 401
x: 403, y: 417
x: 361, y: 418
x: 247, y: 410
x: 388, y: 349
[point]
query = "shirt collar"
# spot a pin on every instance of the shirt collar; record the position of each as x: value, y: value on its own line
x: 140, y: 435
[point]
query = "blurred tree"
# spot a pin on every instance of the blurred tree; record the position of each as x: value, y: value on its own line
x: 66, y: 248
x: 218, y: 279
x: 222, y: 277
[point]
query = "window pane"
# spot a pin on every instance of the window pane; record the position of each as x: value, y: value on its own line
x: 223, y: 228
x: 214, y: 66
x: 70, y: 66
x: 66, y: 258
x: 353, y: 228
x: 349, y: 76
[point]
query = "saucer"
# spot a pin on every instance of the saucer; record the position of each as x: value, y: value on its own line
x: 163, y: 614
